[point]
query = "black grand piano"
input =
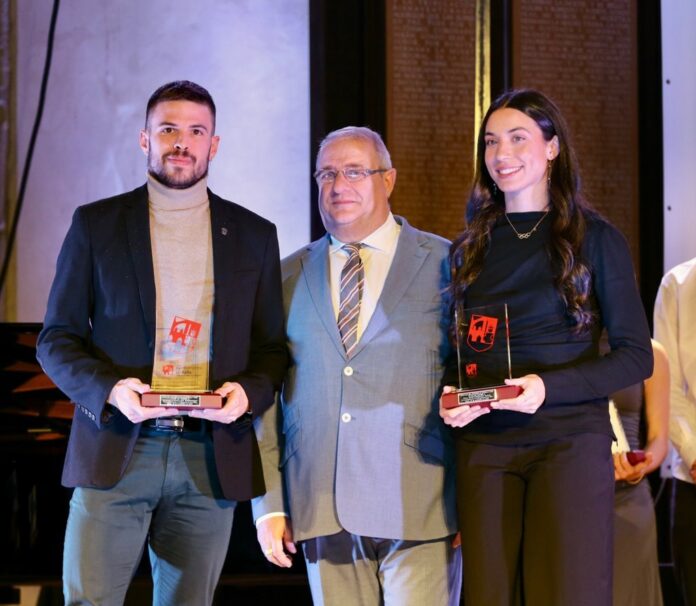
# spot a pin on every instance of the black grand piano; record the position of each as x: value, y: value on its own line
x: 35, y: 421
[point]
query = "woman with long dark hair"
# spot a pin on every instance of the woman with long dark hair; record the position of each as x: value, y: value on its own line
x: 535, y: 472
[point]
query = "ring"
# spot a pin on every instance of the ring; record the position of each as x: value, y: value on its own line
x: 268, y: 551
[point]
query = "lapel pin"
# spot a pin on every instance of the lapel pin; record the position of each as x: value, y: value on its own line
x: 223, y: 231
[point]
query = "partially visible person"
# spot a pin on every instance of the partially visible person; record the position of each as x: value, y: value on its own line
x: 675, y: 328
x: 535, y: 480
x: 368, y: 478
x: 173, y: 285
x: 636, y: 569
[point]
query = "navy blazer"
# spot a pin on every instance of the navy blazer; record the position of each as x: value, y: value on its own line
x: 100, y: 328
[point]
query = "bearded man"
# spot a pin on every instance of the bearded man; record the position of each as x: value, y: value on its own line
x: 168, y: 287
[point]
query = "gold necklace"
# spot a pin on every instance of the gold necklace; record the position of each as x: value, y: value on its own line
x: 526, y: 234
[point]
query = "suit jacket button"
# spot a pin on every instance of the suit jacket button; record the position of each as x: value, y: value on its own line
x: 348, y: 371
x: 346, y: 418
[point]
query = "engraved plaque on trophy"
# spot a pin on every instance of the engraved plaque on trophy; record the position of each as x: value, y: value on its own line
x: 482, y: 336
x: 180, y: 371
x: 182, y: 400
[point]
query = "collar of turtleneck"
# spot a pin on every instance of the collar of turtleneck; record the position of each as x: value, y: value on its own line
x: 166, y: 198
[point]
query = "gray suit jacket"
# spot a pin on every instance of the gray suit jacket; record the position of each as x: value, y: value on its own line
x: 361, y: 446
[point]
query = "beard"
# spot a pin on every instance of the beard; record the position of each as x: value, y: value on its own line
x: 176, y: 177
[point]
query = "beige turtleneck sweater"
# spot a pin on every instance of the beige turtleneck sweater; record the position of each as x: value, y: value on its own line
x: 182, y: 259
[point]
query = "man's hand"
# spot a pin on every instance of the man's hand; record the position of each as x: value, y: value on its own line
x: 236, y: 404
x: 275, y: 539
x: 125, y: 396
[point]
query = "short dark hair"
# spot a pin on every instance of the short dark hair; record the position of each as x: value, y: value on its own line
x: 180, y: 90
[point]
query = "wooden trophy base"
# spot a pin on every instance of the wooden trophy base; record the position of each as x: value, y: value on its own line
x: 482, y: 396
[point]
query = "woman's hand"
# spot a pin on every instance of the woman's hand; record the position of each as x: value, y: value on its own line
x: 532, y: 396
x: 461, y: 415
x: 633, y: 474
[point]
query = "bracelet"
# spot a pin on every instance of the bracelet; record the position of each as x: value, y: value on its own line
x: 637, y: 481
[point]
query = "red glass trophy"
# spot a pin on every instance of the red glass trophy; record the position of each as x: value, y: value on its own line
x: 482, y: 337
x: 180, y: 371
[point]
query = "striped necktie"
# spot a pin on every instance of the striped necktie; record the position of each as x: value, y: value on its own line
x: 352, y: 278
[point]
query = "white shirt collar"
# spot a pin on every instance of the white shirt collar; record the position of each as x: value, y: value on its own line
x: 384, y: 238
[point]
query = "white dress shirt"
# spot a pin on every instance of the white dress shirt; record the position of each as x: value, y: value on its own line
x: 675, y: 328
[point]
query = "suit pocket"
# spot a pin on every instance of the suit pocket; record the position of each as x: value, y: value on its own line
x: 291, y: 433
x: 431, y: 446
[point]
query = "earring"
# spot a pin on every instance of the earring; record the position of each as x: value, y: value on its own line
x: 549, y: 166
x: 495, y: 189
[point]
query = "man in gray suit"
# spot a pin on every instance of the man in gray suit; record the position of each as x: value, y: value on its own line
x: 367, y: 482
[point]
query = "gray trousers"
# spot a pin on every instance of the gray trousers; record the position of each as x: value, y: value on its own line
x: 350, y: 570
x: 169, y: 498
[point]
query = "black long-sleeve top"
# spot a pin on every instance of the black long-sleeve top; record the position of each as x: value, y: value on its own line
x: 577, y: 379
